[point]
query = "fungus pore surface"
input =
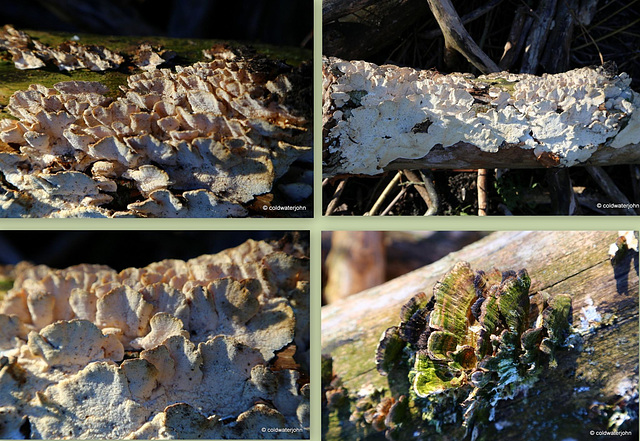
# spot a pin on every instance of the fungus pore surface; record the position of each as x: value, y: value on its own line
x: 373, y: 114
x: 213, y: 347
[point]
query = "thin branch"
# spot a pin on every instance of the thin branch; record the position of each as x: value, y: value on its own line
x: 431, y: 190
x: 421, y: 186
x: 385, y: 193
x: 336, y: 197
x: 457, y: 37
x: 394, y: 202
x: 482, y: 192
x: 610, y: 34
x: 467, y: 18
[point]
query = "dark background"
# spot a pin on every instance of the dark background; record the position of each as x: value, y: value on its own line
x: 119, y: 249
x: 279, y: 22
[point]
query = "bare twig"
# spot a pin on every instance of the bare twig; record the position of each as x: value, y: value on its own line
x: 431, y: 190
x: 336, y: 197
x: 618, y: 11
x: 394, y: 202
x: 610, y: 34
x: 457, y: 37
x: 421, y: 185
x: 482, y: 192
x: 467, y: 18
x: 392, y: 184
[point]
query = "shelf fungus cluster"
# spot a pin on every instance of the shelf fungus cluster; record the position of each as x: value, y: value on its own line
x: 28, y: 53
x: 374, y: 115
x: 197, y: 141
x: 476, y: 341
x: 196, y: 349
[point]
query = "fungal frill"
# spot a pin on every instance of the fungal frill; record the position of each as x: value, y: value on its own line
x: 374, y: 115
x: 177, y: 349
x: 28, y: 53
x: 476, y: 341
x: 198, y: 141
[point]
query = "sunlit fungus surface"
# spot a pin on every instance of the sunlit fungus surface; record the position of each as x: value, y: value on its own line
x: 475, y: 342
x: 194, y: 141
x: 213, y: 347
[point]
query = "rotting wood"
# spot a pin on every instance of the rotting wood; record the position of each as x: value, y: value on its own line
x: 576, y: 263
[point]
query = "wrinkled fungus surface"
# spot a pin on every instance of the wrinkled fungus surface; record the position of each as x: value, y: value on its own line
x: 475, y: 342
x: 197, y: 349
x: 198, y: 141
x: 28, y: 53
x: 373, y: 114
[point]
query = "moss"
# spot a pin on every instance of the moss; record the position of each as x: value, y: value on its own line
x: 188, y: 52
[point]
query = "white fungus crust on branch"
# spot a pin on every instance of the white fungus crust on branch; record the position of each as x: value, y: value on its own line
x: 173, y: 350
x: 199, y: 141
x: 373, y: 115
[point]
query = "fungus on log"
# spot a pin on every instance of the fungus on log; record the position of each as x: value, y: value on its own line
x: 593, y: 386
x: 175, y: 349
x: 201, y: 140
x: 378, y: 118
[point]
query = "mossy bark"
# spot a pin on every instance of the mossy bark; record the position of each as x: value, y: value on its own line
x: 561, y: 403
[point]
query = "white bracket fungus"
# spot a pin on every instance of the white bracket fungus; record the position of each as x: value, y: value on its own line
x: 174, y: 350
x: 199, y: 141
x: 374, y: 115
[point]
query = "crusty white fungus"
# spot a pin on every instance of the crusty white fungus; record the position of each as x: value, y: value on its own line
x: 172, y: 350
x: 199, y: 141
x: 373, y: 114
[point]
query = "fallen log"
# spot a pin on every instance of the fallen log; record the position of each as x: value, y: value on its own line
x: 378, y: 118
x: 569, y: 401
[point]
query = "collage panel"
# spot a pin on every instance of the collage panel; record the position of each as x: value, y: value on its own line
x: 505, y: 335
x: 158, y: 109
x: 446, y: 107
x: 171, y: 334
